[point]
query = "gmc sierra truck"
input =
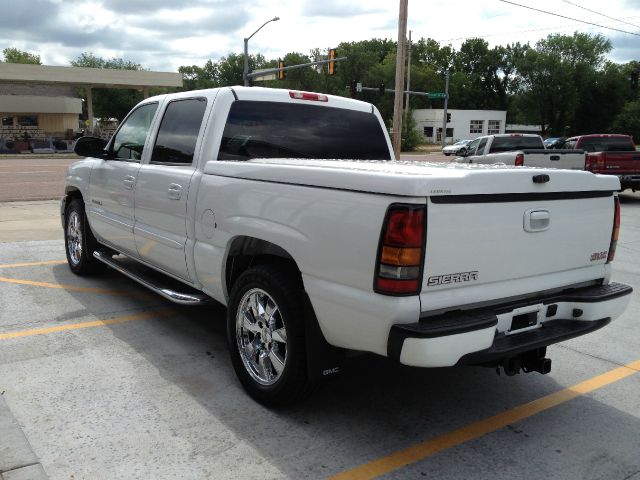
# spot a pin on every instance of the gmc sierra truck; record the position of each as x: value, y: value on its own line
x: 609, y: 154
x: 289, y: 208
x: 520, y: 149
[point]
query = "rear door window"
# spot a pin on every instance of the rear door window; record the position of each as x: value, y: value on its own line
x: 287, y: 130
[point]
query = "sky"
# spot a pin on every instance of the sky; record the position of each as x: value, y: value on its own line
x: 162, y: 35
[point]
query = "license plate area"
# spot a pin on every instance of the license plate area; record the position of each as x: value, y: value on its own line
x: 522, y: 319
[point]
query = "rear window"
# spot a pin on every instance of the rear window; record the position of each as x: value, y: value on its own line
x: 285, y: 130
x: 509, y: 144
x: 607, y: 144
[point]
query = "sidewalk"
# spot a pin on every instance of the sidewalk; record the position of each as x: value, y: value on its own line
x: 17, y: 460
x: 37, y: 220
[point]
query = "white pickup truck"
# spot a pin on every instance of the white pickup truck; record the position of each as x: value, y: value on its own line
x: 431, y: 266
x: 520, y: 149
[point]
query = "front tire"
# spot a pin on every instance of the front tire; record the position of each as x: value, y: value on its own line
x: 265, y: 334
x: 79, y: 241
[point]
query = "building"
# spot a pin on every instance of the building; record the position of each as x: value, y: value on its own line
x: 39, y: 101
x: 464, y: 124
x: 519, y: 128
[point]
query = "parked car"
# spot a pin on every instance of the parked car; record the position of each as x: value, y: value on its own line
x: 520, y: 149
x: 553, y: 142
x: 610, y: 154
x: 456, y: 148
x: 431, y: 266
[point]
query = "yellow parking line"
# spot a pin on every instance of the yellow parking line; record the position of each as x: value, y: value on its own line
x: 33, y: 264
x: 72, y: 288
x: 95, y: 323
x: 476, y: 430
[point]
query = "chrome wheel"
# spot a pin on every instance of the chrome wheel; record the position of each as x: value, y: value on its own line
x: 74, y: 237
x: 261, y: 336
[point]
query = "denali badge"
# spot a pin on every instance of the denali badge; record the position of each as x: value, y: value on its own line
x: 452, y: 278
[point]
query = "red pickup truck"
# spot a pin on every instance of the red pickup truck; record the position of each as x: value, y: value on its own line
x: 610, y: 155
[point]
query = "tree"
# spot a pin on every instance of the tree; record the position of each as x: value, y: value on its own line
x: 628, y: 121
x: 110, y: 102
x: 13, y: 55
x: 562, y: 82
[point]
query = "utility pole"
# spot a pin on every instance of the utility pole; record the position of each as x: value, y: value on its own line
x: 245, y: 69
x: 446, y: 102
x: 397, y: 104
x: 406, y: 96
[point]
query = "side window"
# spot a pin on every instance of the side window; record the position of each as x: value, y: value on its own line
x: 178, y: 132
x: 128, y: 141
x: 481, y: 145
x: 471, y: 148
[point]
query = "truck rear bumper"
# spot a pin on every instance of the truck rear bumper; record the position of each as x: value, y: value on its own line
x: 503, y: 331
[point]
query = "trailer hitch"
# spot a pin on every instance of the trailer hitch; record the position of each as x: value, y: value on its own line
x: 532, y: 361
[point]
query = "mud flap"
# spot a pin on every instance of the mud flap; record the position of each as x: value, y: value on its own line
x: 324, y: 361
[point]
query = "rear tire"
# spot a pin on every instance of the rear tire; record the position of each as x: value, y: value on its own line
x: 265, y: 334
x: 79, y: 241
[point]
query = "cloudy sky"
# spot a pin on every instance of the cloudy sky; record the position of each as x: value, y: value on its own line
x: 164, y: 34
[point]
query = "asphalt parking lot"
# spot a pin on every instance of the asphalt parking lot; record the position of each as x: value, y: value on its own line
x: 104, y: 380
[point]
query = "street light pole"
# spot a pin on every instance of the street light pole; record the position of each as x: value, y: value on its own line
x: 245, y: 71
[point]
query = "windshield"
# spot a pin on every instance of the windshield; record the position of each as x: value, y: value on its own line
x: 286, y: 130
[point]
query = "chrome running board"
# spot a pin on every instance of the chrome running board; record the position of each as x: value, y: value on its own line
x: 183, y: 298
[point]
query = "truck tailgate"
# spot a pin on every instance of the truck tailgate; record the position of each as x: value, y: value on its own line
x: 488, y: 246
x: 620, y: 163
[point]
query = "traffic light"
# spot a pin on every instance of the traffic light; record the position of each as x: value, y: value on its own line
x: 281, y: 73
x: 354, y: 88
x: 448, y: 118
x: 332, y: 63
x: 381, y: 89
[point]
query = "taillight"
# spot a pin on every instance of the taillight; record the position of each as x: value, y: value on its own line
x: 519, y: 159
x: 315, y: 97
x: 594, y: 162
x: 401, y: 251
x: 616, y: 229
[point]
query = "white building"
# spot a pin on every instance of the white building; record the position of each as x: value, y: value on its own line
x: 464, y: 124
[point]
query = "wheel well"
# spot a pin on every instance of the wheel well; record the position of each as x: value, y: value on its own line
x: 246, y: 252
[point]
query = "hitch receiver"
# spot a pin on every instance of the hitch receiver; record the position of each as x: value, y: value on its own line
x: 532, y: 361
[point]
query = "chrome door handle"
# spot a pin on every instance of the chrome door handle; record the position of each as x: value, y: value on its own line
x: 175, y: 191
x: 129, y: 181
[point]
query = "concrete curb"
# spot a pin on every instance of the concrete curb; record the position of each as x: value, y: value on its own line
x: 17, y: 459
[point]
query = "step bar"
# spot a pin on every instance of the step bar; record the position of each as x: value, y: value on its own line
x: 182, y: 298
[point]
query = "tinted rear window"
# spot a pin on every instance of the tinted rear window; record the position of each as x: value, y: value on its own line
x: 610, y: 144
x: 509, y: 144
x: 285, y: 130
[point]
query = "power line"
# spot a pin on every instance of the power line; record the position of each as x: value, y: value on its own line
x: 503, y: 34
x: 569, y: 18
x: 598, y: 13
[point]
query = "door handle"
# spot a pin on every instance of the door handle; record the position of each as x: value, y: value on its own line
x: 175, y: 191
x: 555, y: 157
x: 129, y: 181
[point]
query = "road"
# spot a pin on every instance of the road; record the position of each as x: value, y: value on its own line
x: 100, y: 379
x: 30, y: 178
x: 25, y: 178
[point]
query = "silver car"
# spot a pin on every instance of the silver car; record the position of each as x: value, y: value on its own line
x: 456, y: 148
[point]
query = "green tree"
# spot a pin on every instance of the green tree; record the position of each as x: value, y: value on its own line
x: 562, y: 82
x: 13, y: 55
x: 110, y: 102
x: 628, y: 120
